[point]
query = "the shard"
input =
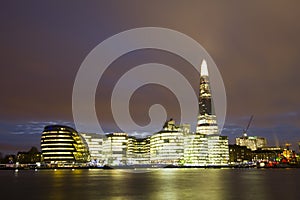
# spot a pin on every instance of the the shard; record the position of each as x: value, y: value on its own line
x: 207, y: 121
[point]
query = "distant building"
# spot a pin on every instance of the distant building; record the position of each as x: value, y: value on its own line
x: 62, y: 144
x: 239, y: 154
x: 251, y: 142
x: 267, y: 153
x: 30, y: 157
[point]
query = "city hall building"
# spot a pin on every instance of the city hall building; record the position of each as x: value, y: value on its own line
x: 62, y: 144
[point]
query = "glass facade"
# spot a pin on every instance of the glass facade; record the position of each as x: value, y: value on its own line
x: 138, y: 151
x: 218, y: 150
x: 115, y: 149
x: 167, y: 147
x: 62, y: 144
x: 195, y: 150
x: 207, y: 120
x: 94, y: 142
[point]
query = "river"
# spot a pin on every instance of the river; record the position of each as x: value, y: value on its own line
x: 207, y: 184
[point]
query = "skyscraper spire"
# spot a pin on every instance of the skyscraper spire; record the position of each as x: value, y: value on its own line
x: 205, y: 101
x: 204, y: 70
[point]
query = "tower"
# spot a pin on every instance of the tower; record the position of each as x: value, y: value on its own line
x: 207, y: 120
x: 217, y: 145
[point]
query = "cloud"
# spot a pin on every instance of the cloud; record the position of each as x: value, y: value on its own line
x: 255, y: 44
x: 20, y: 136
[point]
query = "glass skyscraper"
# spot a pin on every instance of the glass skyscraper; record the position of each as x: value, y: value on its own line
x: 207, y: 120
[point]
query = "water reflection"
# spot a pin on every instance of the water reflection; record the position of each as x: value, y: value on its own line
x: 155, y: 184
x: 189, y: 184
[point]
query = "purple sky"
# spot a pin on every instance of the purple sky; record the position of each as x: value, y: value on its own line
x: 255, y: 45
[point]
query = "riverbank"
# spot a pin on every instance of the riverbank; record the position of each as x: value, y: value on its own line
x: 106, y: 167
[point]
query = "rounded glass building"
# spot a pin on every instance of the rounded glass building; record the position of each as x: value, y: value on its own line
x: 63, y: 144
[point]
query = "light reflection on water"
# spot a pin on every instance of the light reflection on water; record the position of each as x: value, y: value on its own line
x: 215, y: 184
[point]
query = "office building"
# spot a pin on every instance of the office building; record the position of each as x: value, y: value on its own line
x: 195, y: 150
x: 218, y: 151
x: 239, y: 154
x: 115, y: 149
x: 138, y: 152
x: 217, y: 145
x: 94, y: 142
x: 251, y: 142
x: 167, y: 145
x: 62, y: 144
x: 207, y: 120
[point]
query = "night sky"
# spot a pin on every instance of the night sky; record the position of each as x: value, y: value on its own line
x: 255, y: 44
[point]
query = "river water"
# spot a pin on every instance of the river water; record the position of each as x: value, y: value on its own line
x: 214, y: 184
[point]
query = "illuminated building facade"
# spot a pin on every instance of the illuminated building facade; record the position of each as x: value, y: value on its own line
x: 207, y: 120
x: 195, y: 149
x: 217, y: 145
x: 173, y: 145
x: 167, y: 146
x: 62, y: 144
x: 267, y: 154
x: 218, y: 151
x: 138, y: 151
x: 251, y: 142
x: 115, y: 149
x: 94, y: 142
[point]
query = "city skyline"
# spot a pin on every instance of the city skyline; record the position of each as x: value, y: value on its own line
x: 256, y: 51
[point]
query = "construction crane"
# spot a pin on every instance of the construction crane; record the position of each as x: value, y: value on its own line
x: 245, y: 130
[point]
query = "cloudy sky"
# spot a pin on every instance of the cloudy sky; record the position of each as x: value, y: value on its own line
x: 255, y: 45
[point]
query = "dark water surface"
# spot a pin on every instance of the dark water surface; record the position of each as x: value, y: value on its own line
x: 153, y: 184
